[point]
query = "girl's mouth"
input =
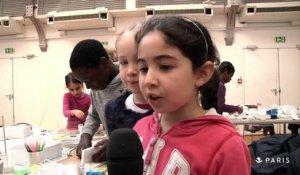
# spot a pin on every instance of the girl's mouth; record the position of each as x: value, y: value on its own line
x: 153, y: 97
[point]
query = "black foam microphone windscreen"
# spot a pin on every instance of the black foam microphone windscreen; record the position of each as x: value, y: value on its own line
x: 124, y: 153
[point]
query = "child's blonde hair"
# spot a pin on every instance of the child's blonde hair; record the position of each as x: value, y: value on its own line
x: 112, y: 54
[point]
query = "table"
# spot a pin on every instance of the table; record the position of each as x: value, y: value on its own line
x: 263, y: 120
x: 66, y: 138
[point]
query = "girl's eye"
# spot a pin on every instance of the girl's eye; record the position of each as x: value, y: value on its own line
x: 166, y: 67
x: 123, y: 62
x: 143, y: 69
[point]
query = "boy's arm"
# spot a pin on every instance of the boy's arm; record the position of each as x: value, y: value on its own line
x: 92, y: 121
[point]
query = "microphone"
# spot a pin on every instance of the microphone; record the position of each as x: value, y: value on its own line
x: 124, y: 153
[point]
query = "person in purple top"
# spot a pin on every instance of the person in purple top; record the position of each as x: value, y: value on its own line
x: 226, y: 71
x: 75, y: 102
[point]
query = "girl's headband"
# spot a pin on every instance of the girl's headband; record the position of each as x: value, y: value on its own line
x: 188, y: 20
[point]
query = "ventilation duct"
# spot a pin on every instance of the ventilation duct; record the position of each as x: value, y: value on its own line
x: 80, y: 19
x: 270, y: 12
x: 9, y: 26
x: 199, y: 12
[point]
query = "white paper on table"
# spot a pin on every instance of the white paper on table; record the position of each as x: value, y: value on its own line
x: 86, y: 155
x: 295, y: 117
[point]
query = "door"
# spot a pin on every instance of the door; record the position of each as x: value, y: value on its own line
x: 6, y: 91
x: 261, y: 76
x: 289, y: 76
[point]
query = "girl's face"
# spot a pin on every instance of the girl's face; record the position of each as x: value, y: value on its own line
x: 76, y: 89
x: 167, y: 79
x: 226, y: 76
x: 127, y: 57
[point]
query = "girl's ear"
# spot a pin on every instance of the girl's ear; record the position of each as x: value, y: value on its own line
x: 204, y: 73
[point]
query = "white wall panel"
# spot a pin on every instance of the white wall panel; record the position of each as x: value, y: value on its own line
x: 6, y: 91
x: 289, y: 74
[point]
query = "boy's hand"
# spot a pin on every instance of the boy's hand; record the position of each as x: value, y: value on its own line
x: 85, y: 142
x: 99, y: 154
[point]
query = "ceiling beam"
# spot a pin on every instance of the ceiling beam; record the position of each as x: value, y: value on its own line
x: 230, y: 25
x: 30, y: 13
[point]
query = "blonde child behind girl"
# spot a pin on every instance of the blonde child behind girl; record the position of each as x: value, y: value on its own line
x: 125, y: 110
x: 176, y: 59
x: 75, y: 102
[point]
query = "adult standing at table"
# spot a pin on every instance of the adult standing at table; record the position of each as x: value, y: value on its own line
x: 91, y: 64
x: 226, y: 72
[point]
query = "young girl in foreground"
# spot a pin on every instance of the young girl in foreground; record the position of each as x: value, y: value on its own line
x: 176, y: 59
x: 75, y: 102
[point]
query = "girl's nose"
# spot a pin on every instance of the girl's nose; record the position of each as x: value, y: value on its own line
x: 132, y: 70
x: 151, y: 79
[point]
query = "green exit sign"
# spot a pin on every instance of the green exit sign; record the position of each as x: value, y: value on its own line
x: 9, y: 50
x: 280, y: 39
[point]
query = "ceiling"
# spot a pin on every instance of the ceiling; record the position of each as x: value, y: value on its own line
x: 17, y: 7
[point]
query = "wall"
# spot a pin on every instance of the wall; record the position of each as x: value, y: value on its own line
x: 261, y: 37
x: 39, y: 82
